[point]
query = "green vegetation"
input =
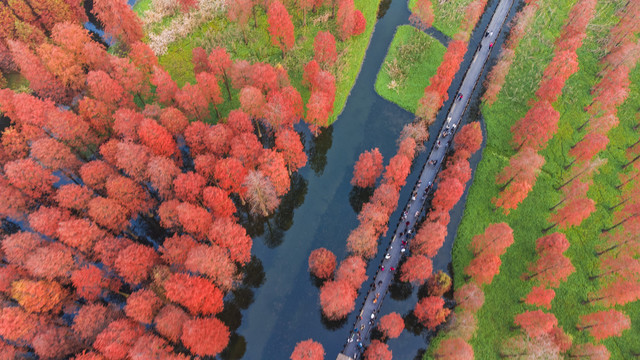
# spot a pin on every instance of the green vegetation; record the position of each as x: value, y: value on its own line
x: 448, y: 14
x: 221, y: 32
x: 502, y: 296
x: 412, y: 59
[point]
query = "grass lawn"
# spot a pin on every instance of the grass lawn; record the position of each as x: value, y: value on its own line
x: 448, y: 14
x: 502, y: 296
x: 220, y: 32
x: 414, y: 56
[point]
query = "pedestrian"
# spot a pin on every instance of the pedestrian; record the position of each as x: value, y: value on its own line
x: 408, y: 223
x: 404, y: 242
x: 417, y: 213
x: 409, y: 232
x: 387, y: 256
x: 393, y: 269
x: 490, y: 45
x: 373, y: 316
x: 402, y: 250
x: 380, y: 282
x: 382, y: 268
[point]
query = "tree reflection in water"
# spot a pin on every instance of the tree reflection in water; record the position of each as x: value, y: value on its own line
x: 359, y: 196
x: 332, y: 325
x: 236, y: 348
x: 318, y: 150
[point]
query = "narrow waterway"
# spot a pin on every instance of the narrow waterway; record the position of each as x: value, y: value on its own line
x: 280, y: 301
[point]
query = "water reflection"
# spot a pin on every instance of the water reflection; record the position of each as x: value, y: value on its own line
x: 359, y: 196
x: 236, y: 348
x: 243, y: 297
x: 316, y: 281
x: 332, y: 325
x: 384, y: 6
x: 253, y: 273
x: 318, y: 150
x: 230, y: 315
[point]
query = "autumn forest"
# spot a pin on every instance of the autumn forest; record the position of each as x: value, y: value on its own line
x: 319, y: 179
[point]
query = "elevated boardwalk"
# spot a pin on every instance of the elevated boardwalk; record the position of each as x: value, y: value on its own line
x: 360, y: 334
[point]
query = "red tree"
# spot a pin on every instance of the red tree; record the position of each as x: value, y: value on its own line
x: 378, y: 350
x: 345, y: 19
x: 166, y: 88
x: 589, y: 146
x: 550, y: 269
x: 422, y: 14
x: 169, y: 322
x: 205, y: 336
x: 540, y: 296
x: 280, y: 26
x: 308, y: 350
x: 89, y: 282
x: 429, y: 239
x: 239, y: 12
x: 38, y: 296
x: 439, y: 284
x: 469, y: 138
x: 213, y: 261
x: 572, y: 213
x: 135, y: 262
x: 261, y: 194
x: 495, y: 240
x: 322, y: 262
x: 555, y: 243
x: 391, y: 325
x: 454, y: 349
x: 193, y: 101
x: 367, y: 169
x: 324, y: 49
x: 115, y: 341
x: 142, y: 306
x: 363, y: 241
x: 447, y: 195
x: 337, y: 299
x: 353, y: 270
x: 590, y: 351
x: 196, y: 294
x: 483, y: 268
x: 536, y: 323
x: 431, y: 312
x: 289, y: 145
x: 603, y: 324
x: 119, y: 20
x: 536, y: 127
x: 91, y: 320
x: 252, y: 101
x: 417, y: 269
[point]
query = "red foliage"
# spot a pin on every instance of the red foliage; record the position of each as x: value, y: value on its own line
x: 495, y: 240
x: 17, y: 325
x: 135, y: 262
x: 551, y: 269
x: 188, y: 186
x: 439, y: 284
x: 199, y: 58
x: 454, y: 349
x: 367, y: 169
x: 119, y: 20
x: 193, y: 101
x: 337, y: 299
x: 205, y: 336
x: 556, y: 243
x: 563, y: 65
x: 252, y: 101
x: 308, y: 350
x: 153, y: 347
x: 498, y: 74
x: 91, y: 319
x: 73, y: 197
x: 536, y: 323
x: 417, y: 269
x: 536, y: 127
x: 483, y: 268
x: 391, y: 325
x: 524, y: 166
x: 363, y: 241
x: 590, y: 351
x: 261, y: 194
x: 214, y: 262
x: 619, y: 292
x: 194, y: 219
x: 9, y: 274
x: 447, y: 195
x: 196, y: 294
x: 322, y: 263
x: 603, y: 324
x: 239, y: 12
x: 377, y: 350
x: 53, y: 261
x: 429, y: 239
x: 228, y: 234
x: 166, y: 88
x: 169, y: 322
x: 345, y: 19
x: 157, y: 138
x: 89, y: 282
x: 280, y: 26
x: 353, y: 270
x: 142, y: 306
x: 431, y: 312
x: 176, y: 248
x: 289, y: 145
x: 17, y: 247
x: 54, y: 342
x: 45, y: 220
x: 38, y: 296
x: 54, y: 155
x: 573, y: 213
x: 360, y: 22
x: 422, y: 14
x: 283, y: 108
x: 469, y: 138
x: 95, y: 173
x: 324, y: 49
x: 29, y: 177
x: 540, y: 296
x: 319, y: 108
x: 589, y: 146
x: 115, y: 341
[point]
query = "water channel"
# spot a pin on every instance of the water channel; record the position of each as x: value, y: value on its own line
x: 282, y: 306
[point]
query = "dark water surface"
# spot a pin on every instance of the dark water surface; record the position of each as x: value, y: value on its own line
x: 282, y: 303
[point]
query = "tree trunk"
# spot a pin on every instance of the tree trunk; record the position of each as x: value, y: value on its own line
x: 226, y: 83
x: 626, y: 182
x: 583, y: 125
x: 507, y: 183
x: 630, y: 162
x: 255, y: 18
x: 618, y: 204
x: 558, y: 204
x: 569, y: 164
x: 618, y: 224
x: 600, y: 253
x: 217, y: 112
x: 544, y: 231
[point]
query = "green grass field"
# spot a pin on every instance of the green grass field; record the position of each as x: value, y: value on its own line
x: 220, y: 32
x: 448, y: 14
x: 502, y: 296
x: 417, y: 57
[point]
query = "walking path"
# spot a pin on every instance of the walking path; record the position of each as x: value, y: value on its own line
x: 361, y: 332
